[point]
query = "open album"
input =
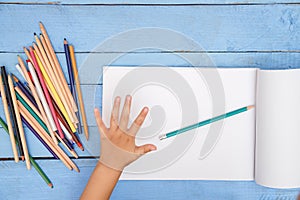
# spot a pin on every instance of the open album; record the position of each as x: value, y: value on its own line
x: 262, y: 144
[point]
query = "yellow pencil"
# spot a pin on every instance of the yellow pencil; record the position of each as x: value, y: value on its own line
x: 55, y: 95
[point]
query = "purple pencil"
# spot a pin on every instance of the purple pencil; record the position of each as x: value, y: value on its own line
x: 38, y: 137
x: 24, y: 90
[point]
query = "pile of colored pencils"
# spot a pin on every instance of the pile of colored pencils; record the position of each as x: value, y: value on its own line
x: 44, y: 103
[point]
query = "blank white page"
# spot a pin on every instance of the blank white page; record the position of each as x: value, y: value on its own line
x: 178, y: 97
x: 278, y: 128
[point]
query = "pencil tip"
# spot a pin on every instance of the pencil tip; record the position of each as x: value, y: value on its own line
x: 15, y: 78
x: 250, y: 107
x: 22, y: 158
x: 65, y: 41
x: 50, y: 185
x: 34, y: 33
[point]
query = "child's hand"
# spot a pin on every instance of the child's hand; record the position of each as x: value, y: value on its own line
x: 118, y: 147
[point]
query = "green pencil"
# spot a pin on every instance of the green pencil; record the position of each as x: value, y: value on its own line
x: 205, y: 122
x: 32, y: 161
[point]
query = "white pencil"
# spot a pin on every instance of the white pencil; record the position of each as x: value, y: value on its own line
x: 20, y: 71
x: 42, y: 96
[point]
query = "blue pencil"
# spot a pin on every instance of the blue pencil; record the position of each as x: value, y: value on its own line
x: 205, y: 122
x: 72, y: 83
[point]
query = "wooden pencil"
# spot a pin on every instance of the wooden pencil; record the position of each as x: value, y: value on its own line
x: 28, y: 55
x: 57, y: 98
x: 42, y: 95
x: 37, y: 116
x: 7, y: 116
x: 38, y: 136
x: 43, y: 134
x: 50, y: 65
x: 47, y: 95
x: 36, y: 97
x: 57, y: 69
x: 19, y: 122
x: 24, y: 89
x: 32, y: 161
x: 78, y: 89
x: 58, y: 87
x: 12, y: 111
x: 71, y: 78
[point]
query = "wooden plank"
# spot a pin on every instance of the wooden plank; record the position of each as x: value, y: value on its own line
x: 215, y: 28
x: 69, y: 185
x: 263, y: 60
x: 153, y: 2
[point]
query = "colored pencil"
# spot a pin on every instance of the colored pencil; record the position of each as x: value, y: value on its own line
x: 36, y: 97
x: 205, y: 122
x: 7, y: 116
x: 42, y: 96
x: 47, y: 95
x: 32, y: 161
x: 19, y: 121
x: 37, y: 116
x: 56, y: 97
x: 24, y: 89
x: 56, y: 149
x: 57, y: 67
x: 49, y: 69
x: 12, y: 111
x: 8, y: 119
x: 28, y: 56
x: 71, y: 77
x: 38, y: 137
x: 78, y: 89
x: 20, y: 70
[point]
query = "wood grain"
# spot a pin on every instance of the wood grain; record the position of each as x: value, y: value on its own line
x: 262, y: 34
x: 215, y: 28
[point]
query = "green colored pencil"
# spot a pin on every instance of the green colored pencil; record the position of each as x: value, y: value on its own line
x: 205, y: 122
x: 32, y: 161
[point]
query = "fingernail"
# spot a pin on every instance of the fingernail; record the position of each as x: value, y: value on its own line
x: 118, y: 99
x: 153, y: 148
x: 128, y: 97
x: 146, y: 109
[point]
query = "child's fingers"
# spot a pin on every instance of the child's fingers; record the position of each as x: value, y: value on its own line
x: 136, y: 125
x: 144, y: 149
x: 125, y: 113
x: 114, y: 119
x: 101, y: 126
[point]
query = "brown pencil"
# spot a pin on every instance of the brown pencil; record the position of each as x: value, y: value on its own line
x: 19, y: 122
x: 8, y: 120
x: 78, y: 89
x: 37, y: 99
x: 58, y: 67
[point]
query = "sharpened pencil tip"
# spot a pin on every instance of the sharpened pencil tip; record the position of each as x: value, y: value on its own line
x: 65, y: 41
x: 50, y: 185
x: 34, y: 33
x: 15, y: 78
x: 22, y: 158
x: 250, y: 107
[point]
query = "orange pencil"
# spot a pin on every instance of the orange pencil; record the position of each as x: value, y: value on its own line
x: 78, y: 89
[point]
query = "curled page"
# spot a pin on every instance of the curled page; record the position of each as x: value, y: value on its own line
x: 278, y: 128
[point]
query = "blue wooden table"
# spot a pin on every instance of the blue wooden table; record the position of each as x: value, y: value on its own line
x: 254, y: 33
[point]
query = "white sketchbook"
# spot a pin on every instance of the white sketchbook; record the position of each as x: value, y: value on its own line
x: 261, y: 144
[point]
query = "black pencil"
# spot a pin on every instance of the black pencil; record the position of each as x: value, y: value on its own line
x: 12, y: 111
